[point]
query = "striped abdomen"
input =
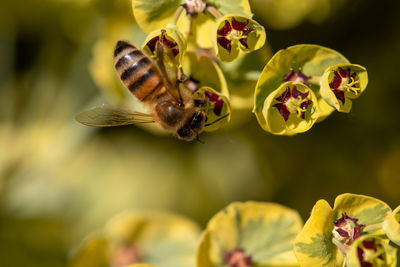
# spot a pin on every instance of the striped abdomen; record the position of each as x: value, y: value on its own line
x: 137, y: 71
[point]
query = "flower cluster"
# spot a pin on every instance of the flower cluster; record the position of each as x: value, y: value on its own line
x: 355, y: 232
x: 325, y: 73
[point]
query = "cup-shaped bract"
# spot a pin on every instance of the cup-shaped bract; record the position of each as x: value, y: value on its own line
x: 299, y: 63
x: 204, y: 71
x: 341, y: 83
x: 391, y: 226
x: 167, y: 46
x: 234, y: 35
x: 292, y: 108
x: 250, y: 234
x: 211, y: 88
x: 328, y: 234
x: 216, y: 106
x: 370, y: 250
x: 193, y: 20
x: 157, y: 238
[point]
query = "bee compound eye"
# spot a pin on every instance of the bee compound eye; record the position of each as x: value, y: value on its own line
x: 197, y: 121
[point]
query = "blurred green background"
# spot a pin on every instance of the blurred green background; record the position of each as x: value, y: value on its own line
x: 60, y: 180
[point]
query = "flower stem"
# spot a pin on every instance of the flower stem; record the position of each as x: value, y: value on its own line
x: 177, y: 14
x: 214, y: 12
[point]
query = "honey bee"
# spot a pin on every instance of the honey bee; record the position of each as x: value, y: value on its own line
x: 171, y: 103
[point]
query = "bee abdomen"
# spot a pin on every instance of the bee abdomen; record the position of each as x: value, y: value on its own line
x: 137, y: 71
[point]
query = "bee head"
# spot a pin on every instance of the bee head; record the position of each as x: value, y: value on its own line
x: 192, y: 127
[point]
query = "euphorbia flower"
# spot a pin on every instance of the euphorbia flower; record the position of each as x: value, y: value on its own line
x: 236, y: 34
x: 343, y: 80
x: 293, y: 101
x: 341, y: 83
x: 304, y: 64
x: 233, y: 30
x: 164, y: 41
x: 329, y: 234
x: 292, y: 108
x: 250, y: 234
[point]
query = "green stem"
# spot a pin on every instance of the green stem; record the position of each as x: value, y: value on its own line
x: 214, y: 12
x: 177, y: 15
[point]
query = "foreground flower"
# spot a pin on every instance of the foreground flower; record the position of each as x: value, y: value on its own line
x: 250, y: 234
x: 341, y: 83
x: 329, y: 234
x: 162, y: 239
x: 291, y: 109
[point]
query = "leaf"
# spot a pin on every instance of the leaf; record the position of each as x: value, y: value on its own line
x: 391, y: 226
x: 312, y: 60
x: 265, y: 231
x: 328, y: 94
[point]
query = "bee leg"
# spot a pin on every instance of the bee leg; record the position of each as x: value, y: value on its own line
x: 198, y: 140
x: 160, y: 56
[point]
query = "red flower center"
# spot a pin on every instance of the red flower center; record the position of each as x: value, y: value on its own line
x: 237, y: 258
x: 233, y: 30
x: 293, y: 101
x: 344, y: 81
x: 347, y: 229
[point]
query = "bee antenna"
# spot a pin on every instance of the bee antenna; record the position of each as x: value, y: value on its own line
x: 217, y: 120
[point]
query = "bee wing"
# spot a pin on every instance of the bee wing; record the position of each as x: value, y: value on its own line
x: 106, y: 116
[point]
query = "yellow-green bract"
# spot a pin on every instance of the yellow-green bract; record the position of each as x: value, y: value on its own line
x: 341, y: 83
x: 262, y: 232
